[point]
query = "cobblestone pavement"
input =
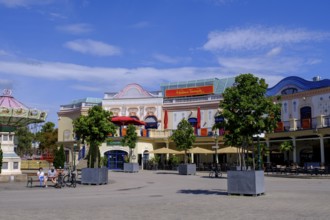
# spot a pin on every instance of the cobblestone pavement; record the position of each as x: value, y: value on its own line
x: 166, y: 195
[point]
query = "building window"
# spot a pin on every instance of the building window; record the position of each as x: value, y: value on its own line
x: 210, y: 115
x: 289, y: 91
x: 5, y: 137
x: 175, y: 117
x: 67, y: 134
x: 294, y: 106
x: 5, y: 165
x: 15, y: 165
x: 285, y: 108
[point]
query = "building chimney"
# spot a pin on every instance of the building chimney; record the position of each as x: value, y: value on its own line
x: 316, y: 78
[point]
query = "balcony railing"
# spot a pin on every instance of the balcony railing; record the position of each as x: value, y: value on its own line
x: 155, y: 133
x: 193, y: 99
x: 303, y: 124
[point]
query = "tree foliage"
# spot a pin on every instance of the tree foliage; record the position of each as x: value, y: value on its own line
x: 286, y: 147
x: 59, y: 158
x: 130, y: 140
x: 47, y: 137
x: 24, y: 139
x: 94, y: 129
x: 184, y: 137
x: 248, y: 111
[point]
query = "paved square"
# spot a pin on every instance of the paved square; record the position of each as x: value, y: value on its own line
x: 166, y: 195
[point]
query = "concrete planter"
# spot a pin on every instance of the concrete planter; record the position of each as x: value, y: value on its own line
x: 249, y: 182
x: 131, y: 167
x: 187, y: 169
x: 96, y: 176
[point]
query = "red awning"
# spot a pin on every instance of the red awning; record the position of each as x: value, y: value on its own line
x: 125, y: 120
x: 165, y: 119
x: 198, y: 117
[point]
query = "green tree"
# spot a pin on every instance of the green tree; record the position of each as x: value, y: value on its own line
x: 94, y: 129
x: 130, y: 140
x: 286, y: 147
x: 47, y: 137
x: 24, y: 139
x: 184, y: 137
x: 59, y: 158
x: 247, y: 111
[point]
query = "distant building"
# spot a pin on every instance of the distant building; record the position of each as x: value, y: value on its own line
x: 305, y: 120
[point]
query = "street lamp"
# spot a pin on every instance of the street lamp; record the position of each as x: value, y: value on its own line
x: 216, y: 147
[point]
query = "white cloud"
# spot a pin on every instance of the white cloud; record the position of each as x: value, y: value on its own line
x: 254, y: 38
x: 262, y: 65
x: 4, y: 53
x: 80, y: 28
x: 275, y: 51
x: 92, y: 47
x: 88, y: 88
x: 171, y: 60
x: 6, y: 84
x: 24, y: 3
x: 108, y: 77
x: 57, y: 15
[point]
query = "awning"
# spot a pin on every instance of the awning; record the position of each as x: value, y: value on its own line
x: 125, y: 120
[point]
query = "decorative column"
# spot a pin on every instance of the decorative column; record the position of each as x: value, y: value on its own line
x: 293, y: 124
x: 320, y: 121
x: 294, y: 156
x: 322, y: 148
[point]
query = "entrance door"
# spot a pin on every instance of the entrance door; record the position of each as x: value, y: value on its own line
x: 115, y: 159
x: 306, y: 117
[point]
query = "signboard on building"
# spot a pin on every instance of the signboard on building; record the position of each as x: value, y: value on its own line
x: 192, y: 91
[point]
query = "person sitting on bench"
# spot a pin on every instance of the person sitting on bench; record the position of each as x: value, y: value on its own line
x: 52, y: 175
x: 42, y: 177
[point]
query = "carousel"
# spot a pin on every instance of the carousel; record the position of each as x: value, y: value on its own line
x: 14, y: 114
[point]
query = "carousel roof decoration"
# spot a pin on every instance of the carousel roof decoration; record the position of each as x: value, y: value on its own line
x: 14, y: 114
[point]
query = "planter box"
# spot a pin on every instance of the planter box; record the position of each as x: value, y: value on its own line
x: 131, y: 167
x: 246, y: 182
x: 187, y: 169
x: 94, y: 175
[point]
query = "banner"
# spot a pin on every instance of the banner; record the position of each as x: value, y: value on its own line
x: 201, y: 90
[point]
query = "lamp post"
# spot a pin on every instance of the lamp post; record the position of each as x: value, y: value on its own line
x: 259, y: 154
x: 216, y: 147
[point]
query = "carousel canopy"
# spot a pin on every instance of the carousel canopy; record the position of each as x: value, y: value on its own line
x: 14, y: 114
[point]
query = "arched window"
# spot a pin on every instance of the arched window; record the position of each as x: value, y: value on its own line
x: 151, y: 122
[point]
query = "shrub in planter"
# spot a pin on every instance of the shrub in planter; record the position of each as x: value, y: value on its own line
x: 130, y: 140
x: 184, y: 138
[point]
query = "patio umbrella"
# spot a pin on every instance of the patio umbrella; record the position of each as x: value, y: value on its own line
x: 165, y: 119
x: 199, y: 150
x: 198, y: 117
x: 164, y: 150
x: 125, y: 120
x: 229, y: 150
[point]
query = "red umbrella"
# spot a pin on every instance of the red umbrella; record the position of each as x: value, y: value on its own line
x: 165, y: 119
x: 198, y: 117
x: 125, y: 120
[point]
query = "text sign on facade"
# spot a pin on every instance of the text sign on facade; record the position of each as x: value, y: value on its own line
x: 201, y: 90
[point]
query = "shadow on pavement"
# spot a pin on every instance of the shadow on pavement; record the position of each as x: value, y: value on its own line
x: 205, y: 192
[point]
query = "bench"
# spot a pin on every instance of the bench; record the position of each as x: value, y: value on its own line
x: 33, y: 178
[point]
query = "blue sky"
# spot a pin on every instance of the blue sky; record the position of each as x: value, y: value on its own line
x: 55, y: 51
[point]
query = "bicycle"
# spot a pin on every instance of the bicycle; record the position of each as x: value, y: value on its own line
x: 70, y: 179
x: 59, y: 181
x: 215, y: 173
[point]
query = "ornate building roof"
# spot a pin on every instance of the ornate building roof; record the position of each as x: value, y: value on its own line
x: 293, y: 84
